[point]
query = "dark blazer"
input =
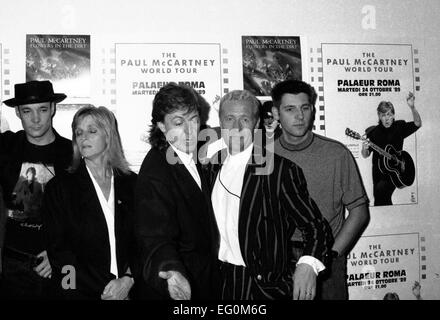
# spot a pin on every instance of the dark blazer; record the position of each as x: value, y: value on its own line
x: 2, y: 223
x: 175, y: 227
x: 76, y: 231
x: 272, y: 206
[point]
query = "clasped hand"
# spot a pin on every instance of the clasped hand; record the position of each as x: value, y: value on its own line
x: 117, y: 289
x: 178, y: 287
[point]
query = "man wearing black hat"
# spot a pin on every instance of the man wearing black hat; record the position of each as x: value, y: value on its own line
x: 26, y: 268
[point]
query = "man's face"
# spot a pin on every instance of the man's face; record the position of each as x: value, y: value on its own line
x: 30, y: 176
x: 180, y: 129
x: 386, y: 118
x: 36, y: 119
x: 238, y: 121
x: 295, y: 116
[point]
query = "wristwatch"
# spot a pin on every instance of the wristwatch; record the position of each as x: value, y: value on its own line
x: 332, y: 254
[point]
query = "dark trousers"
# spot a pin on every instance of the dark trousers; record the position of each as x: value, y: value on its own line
x: 332, y: 282
x: 238, y: 283
x: 383, y: 191
x: 20, y: 281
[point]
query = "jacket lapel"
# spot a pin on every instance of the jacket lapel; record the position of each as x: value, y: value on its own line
x: 251, y: 201
x: 90, y: 209
x: 195, y: 197
x: 122, y: 190
x: 210, y: 216
x: 186, y: 183
x: 214, y: 166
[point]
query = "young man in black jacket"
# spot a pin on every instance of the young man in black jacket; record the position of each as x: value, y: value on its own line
x: 26, y: 268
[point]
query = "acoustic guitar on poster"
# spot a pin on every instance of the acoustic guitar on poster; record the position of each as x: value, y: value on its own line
x: 398, y: 165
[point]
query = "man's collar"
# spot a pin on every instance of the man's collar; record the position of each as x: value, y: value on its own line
x: 55, y: 136
x: 241, y: 156
x: 296, y: 147
x: 183, y: 156
x: 254, y: 155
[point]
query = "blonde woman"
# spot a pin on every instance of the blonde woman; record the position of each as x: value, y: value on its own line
x: 88, y: 213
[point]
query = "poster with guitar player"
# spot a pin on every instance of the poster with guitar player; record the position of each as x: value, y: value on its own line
x: 370, y: 106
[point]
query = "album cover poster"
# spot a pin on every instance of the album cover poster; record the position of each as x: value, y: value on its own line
x: 62, y: 59
x: 268, y: 60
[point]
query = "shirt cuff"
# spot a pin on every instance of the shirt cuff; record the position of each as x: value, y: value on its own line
x: 317, y: 265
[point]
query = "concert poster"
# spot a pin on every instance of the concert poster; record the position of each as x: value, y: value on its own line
x: 385, y: 267
x: 356, y: 78
x: 268, y: 60
x: 62, y: 59
x: 143, y: 68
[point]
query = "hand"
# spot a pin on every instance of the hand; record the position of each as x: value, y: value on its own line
x: 365, y: 148
x: 365, y: 144
x: 178, y: 286
x: 304, y: 282
x: 117, y: 289
x: 410, y: 100
x: 416, y: 290
x: 44, y: 269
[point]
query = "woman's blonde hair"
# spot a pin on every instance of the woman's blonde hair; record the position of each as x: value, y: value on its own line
x: 113, y: 154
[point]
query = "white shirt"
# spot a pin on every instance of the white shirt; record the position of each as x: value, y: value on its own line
x: 226, y: 204
x: 108, y: 207
x: 188, y: 161
x: 215, y: 147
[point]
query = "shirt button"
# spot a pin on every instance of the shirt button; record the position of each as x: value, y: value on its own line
x: 259, y: 277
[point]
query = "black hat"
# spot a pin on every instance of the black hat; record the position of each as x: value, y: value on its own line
x: 34, y: 92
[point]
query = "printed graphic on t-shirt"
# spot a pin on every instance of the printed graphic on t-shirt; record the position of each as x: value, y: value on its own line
x: 27, y: 196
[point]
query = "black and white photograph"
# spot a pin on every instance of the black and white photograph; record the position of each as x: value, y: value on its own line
x: 218, y: 159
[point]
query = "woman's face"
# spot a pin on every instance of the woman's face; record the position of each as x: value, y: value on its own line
x: 90, y: 138
x: 180, y: 129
